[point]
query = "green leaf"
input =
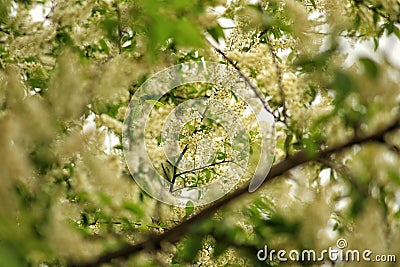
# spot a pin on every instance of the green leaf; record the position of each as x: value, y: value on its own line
x: 191, y: 246
x: 134, y: 208
x: 160, y: 30
x: 208, y: 174
x: 343, y: 85
x: 357, y: 205
x: 155, y: 102
x: 85, y: 219
x: 10, y: 257
x: 221, y: 155
x: 105, y: 199
x: 291, y: 57
x: 220, y: 247
x: 42, y: 158
x: 5, y: 7
x: 103, y: 108
x: 375, y: 17
x: 101, y: 9
x: 25, y: 2
x: 313, y: 4
x: 110, y: 25
x: 253, y: 134
x: 357, y: 21
x: 25, y: 197
x: 64, y: 38
x: 187, y: 34
x: 394, y: 175
x: 179, y: 4
x: 370, y: 67
x: 159, y: 140
x: 234, y: 96
x: 119, y: 147
x: 396, y: 31
x: 189, y: 208
x: 282, y: 225
x: 316, y: 62
x: 311, y: 147
x: 335, y: 227
x: 389, y: 27
x: 397, y: 215
x: 37, y: 79
x: 104, y: 46
x: 216, y: 32
x: 190, y: 126
x: 376, y: 44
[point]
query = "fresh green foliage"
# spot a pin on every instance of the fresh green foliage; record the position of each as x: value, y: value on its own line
x: 69, y: 68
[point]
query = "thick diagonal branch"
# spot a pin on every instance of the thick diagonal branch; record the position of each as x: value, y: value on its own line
x: 177, y: 232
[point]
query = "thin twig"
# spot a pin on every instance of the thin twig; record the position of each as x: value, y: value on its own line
x: 165, y: 172
x: 247, y: 80
x: 134, y: 223
x: 375, y: 10
x: 334, y: 34
x: 281, y: 90
x: 119, y: 28
x: 180, y: 188
x: 175, y: 166
x: 203, y: 167
x: 6, y: 31
x: 51, y: 10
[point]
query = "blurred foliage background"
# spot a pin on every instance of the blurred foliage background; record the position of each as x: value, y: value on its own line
x: 69, y: 68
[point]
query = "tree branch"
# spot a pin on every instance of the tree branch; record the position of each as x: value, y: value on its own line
x: 175, y: 166
x: 203, y: 167
x: 335, y: 34
x: 247, y: 80
x: 375, y: 10
x: 51, y: 10
x: 278, y: 78
x: 177, y: 232
x: 391, y: 147
x: 282, y: 92
x: 119, y: 28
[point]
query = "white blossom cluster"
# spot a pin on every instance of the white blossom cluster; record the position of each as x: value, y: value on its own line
x: 206, y: 141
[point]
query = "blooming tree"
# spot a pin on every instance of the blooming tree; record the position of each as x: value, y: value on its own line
x: 70, y: 68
